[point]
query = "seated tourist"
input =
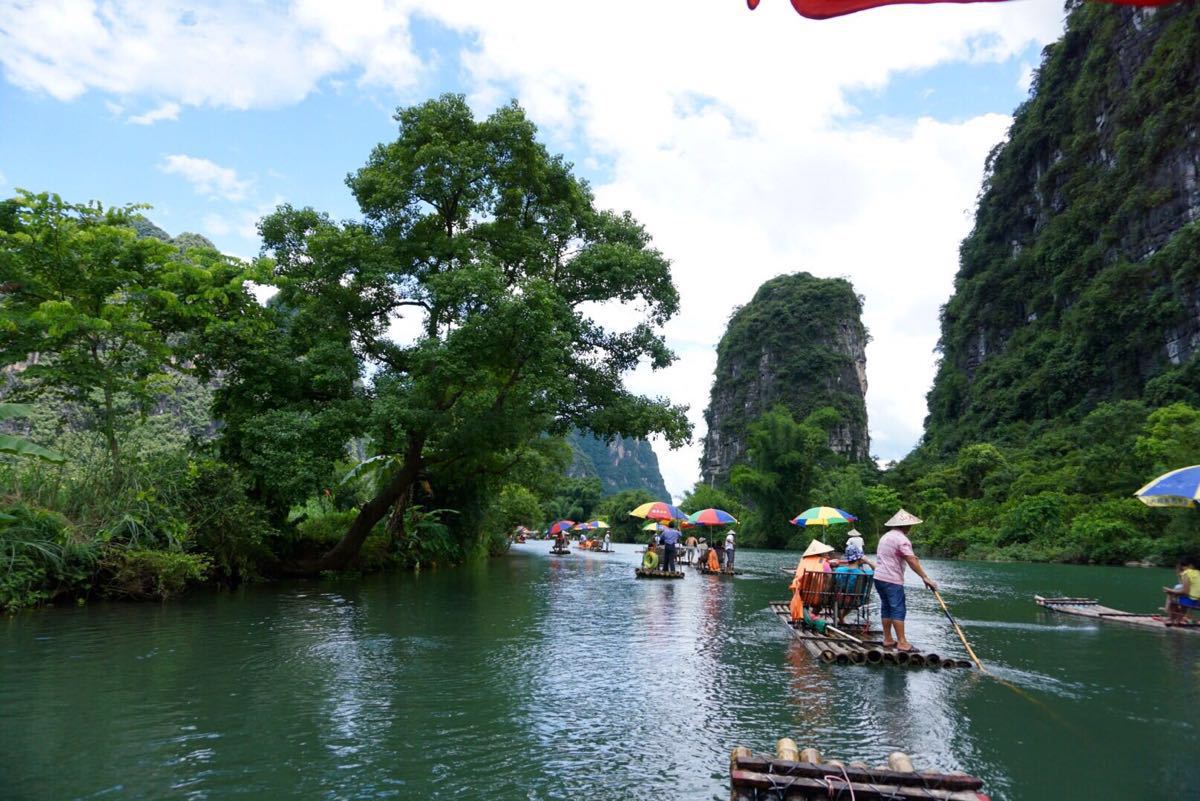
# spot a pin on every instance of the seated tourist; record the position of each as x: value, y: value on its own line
x: 1184, y: 596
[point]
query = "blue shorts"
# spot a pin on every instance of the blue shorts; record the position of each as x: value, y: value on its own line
x: 891, y: 600
x: 1188, y: 603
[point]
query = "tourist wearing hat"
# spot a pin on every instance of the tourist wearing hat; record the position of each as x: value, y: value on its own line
x: 854, y: 539
x: 815, y: 559
x: 852, y: 589
x: 891, y: 555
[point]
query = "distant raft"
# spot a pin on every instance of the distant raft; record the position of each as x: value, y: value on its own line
x: 867, y: 651
x: 795, y: 774
x: 647, y: 573
x: 1090, y: 607
x: 705, y: 571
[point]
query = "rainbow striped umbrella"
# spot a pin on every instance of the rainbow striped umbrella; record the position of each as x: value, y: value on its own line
x: 1178, y: 488
x: 712, y: 517
x: 822, y: 516
x: 656, y: 510
x: 590, y: 525
x: 561, y: 525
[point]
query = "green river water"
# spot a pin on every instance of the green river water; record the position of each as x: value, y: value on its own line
x: 533, y: 677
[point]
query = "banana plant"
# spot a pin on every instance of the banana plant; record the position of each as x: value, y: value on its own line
x: 13, y: 445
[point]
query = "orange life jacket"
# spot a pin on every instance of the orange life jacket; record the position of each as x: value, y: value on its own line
x: 714, y: 564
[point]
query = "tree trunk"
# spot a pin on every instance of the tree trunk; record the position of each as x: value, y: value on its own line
x: 374, y: 510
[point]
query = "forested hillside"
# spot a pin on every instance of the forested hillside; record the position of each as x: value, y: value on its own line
x: 1075, y: 319
x: 622, y: 464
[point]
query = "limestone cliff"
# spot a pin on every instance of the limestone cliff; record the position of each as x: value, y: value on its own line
x: 625, y: 463
x: 1080, y: 282
x: 800, y: 342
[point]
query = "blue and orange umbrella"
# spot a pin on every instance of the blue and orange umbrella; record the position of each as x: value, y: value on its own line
x: 823, y: 516
x: 1179, y: 488
x: 712, y: 517
x: 561, y: 526
x: 657, y: 510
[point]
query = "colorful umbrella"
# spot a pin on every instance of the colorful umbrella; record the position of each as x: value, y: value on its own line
x: 561, y: 525
x: 822, y: 516
x: 1178, y: 488
x: 711, y: 517
x: 656, y: 510
x: 653, y: 526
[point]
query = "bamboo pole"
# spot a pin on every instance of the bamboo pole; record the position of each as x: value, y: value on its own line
x: 810, y: 755
x: 787, y: 750
x: 900, y: 761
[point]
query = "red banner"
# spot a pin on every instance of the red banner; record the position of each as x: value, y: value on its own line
x: 824, y: 9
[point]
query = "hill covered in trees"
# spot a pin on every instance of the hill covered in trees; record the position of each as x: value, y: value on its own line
x: 1069, y: 373
x: 799, y: 344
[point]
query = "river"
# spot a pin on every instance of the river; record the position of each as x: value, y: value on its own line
x: 532, y: 677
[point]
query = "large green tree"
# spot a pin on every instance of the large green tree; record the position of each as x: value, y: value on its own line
x: 468, y: 299
x: 102, y: 316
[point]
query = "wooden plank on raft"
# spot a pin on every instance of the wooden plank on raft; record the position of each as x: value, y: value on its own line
x: 811, y: 770
x: 783, y: 786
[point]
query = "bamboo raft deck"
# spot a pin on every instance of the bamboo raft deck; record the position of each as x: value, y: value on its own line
x: 1090, y: 607
x: 831, y: 648
x: 793, y: 774
x: 704, y: 570
x: 642, y: 572
x: 560, y: 551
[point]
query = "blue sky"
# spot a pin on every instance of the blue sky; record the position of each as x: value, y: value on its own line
x: 749, y: 144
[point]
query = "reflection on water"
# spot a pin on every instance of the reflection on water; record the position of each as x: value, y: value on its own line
x: 537, y: 678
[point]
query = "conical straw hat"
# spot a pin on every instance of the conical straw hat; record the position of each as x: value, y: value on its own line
x: 816, y: 548
x: 903, y: 518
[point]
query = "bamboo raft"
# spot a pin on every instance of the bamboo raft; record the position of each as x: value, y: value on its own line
x: 1090, y: 607
x: 869, y: 651
x: 642, y: 572
x: 560, y: 551
x: 704, y: 569
x: 802, y: 775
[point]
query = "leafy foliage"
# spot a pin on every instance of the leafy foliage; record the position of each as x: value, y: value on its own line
x: 780, y: 471
x: 498, y: 250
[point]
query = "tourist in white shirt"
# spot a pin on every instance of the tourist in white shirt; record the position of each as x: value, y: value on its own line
x: 891, y: 555
x: 729, y: 550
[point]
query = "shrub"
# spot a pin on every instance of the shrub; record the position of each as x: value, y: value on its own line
x: 38, y: 558
x: 144, y: 574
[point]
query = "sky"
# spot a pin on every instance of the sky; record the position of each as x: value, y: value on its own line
x: 749, y: 144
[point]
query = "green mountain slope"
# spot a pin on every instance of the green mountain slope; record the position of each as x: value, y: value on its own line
x: 622, y: 464
x: 1080, y: 282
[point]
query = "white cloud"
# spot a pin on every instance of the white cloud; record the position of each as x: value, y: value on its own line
x: 225, y: 53
x: 217, y: 225
x: 206, y: 178
x: 729, y: 136
x: 167, y: 111
x: 115, y: 109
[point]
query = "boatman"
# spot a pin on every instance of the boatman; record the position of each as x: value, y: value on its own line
x: 691, y: 543
x: 669, y: 539
x: 891, y: 555
x: 729, y: 550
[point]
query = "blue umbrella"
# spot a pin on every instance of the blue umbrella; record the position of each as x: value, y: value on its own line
x: 1178, y: 488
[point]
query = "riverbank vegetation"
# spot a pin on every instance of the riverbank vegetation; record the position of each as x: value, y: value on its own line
x: 400, y: 400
